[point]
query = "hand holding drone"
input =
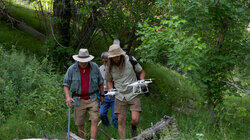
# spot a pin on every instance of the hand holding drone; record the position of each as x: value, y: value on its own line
x: 141, y: 84
x: 112, y: 92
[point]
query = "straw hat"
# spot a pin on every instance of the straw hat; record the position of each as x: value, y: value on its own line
x: 83, y: 56
x: 115, y: 50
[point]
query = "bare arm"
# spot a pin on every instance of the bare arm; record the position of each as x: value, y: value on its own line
x: 109, y: 85
x: 101, y: 89
x: 68, y: 98
x: 142, y: 74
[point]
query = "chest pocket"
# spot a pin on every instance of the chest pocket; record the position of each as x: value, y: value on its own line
x: 94, y: 79
x: 115, y: 73
x: 76, y: 81
x: 128, y: 69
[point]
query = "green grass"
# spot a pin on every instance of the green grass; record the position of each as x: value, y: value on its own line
x: 170, y: 94
x: 26, y: 15
x: 21, y: 40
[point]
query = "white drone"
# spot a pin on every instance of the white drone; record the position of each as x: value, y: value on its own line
x: 139, y: 84
x: 112, y: 92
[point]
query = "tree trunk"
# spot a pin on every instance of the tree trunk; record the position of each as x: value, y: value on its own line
x: 86, y: 34
x: 62, y: 11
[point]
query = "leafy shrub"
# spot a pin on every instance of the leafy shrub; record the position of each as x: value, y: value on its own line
x: 168, y: 44
x: 234, y: 113
x: 29, y: 85
x: 208, y: 42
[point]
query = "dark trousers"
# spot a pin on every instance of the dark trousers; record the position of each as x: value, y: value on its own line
x: 109, y: 103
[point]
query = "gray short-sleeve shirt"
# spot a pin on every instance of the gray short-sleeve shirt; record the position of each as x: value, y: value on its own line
x: 121, y: 80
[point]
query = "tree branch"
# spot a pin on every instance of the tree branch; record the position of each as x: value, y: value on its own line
x: 43, y: 15
x: 52, y: 31
x: 234, y: 85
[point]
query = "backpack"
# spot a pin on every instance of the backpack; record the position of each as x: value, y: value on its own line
x: 134, y: 62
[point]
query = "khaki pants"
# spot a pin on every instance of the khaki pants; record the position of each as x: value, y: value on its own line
x: 80, y: 112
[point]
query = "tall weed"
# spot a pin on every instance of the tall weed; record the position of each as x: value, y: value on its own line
x: 170, y: 87
x: 30, y: 86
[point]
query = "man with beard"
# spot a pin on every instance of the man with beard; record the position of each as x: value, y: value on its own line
x: 120, y: 72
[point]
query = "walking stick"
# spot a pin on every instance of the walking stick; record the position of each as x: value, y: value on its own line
x: 68, y: 123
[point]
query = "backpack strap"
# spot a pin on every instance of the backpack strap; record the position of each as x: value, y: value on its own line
x: 134, y: 62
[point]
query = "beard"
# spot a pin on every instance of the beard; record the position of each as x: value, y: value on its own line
x: 117, y: 63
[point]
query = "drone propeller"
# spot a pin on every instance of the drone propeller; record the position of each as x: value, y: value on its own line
x: 150, y: 79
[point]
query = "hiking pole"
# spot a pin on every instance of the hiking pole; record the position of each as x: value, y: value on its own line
x: 68, y: 122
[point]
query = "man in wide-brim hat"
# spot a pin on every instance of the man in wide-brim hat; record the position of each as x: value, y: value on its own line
x: 121, y: 71
x: 84, y: 79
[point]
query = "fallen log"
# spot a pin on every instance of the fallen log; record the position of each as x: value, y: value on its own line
x: 5, y: 16
x: 160, y: 126
x: 74, y: 136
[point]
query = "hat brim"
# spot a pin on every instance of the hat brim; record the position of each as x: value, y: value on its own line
x: 76, y: 58
x: 114, y: 55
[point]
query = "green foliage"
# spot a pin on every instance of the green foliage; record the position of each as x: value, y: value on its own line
x: 207, y: 41
x: 18, y: 126
x: 186, y: 33
x: 61, y: 57
x: 232, y: 123
x: 119, y: 20
x: 170, y: 87
x: 30, y: 86
x: 234, y: 112
x: 168, y: 43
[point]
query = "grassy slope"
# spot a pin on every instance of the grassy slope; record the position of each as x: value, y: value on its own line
x: 23, y: 41
x: 26, y: 15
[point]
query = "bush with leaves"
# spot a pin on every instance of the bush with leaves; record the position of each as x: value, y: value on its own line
x: 28, y: 85
x: 206, y: 40
x: 169, y: 44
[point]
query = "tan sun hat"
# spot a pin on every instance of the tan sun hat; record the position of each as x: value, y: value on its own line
x: 115, y: 50
x: 83, y: 56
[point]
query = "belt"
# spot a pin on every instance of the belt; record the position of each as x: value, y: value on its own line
x: 74, y: 94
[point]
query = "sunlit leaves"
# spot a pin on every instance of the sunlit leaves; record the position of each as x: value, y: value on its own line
x: 169, y: 41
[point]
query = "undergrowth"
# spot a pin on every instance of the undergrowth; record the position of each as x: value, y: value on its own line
x: 31, y: 96
x: 32, y: 104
